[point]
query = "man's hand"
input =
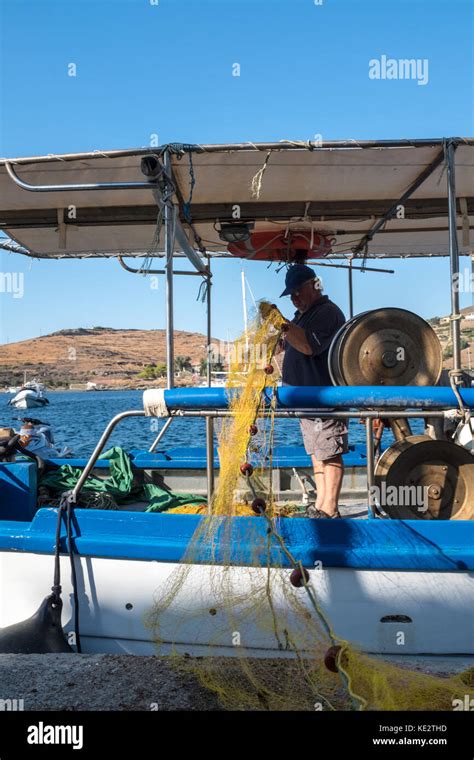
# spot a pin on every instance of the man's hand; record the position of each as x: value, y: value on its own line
x: 267, y: 310
x: 296, y: 337
x: 280, y: 346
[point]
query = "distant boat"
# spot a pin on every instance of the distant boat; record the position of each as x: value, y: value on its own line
x: 30, y: 396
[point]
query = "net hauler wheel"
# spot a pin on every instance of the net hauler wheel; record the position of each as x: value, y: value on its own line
x: 385, y: 347
x: 423, y: 479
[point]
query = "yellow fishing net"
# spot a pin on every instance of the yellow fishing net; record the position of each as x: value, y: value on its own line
x: 267, y: 613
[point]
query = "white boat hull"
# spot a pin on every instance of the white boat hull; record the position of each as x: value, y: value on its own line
x: 28, y: 400
x: 116, y: 596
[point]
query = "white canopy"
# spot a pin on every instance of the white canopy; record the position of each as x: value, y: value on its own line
x: 339, y: 188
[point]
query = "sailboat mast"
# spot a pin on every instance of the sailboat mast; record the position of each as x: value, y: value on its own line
x: 244, y: 307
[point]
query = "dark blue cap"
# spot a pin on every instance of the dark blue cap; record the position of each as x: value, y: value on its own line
x: 296, y: 275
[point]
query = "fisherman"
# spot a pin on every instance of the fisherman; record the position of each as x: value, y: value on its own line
x: 306, y: 344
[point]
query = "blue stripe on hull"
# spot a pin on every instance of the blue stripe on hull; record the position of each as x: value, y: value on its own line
x: 417, y: 545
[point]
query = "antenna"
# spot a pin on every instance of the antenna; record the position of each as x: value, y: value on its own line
x: 244, y: 306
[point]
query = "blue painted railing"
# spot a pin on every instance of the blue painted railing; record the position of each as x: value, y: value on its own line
x: 318, y: 397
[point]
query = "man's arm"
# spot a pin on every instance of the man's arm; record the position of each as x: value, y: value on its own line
x: 316, y: 336
x: 296, y: 337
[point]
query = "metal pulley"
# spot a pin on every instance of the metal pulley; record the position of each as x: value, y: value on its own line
x: 385, y: 347
x: 420, y: 478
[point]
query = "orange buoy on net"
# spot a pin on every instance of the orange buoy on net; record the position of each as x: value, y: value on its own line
x: 259, y: 506
x: 292, y: 245
x: 330, y: 658
x: 299, y: 577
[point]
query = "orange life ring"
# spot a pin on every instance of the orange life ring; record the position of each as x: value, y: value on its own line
x: 283, y: 246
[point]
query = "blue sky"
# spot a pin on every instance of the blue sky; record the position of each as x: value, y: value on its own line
x: 167, y: 69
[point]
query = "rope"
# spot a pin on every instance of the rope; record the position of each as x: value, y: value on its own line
x: 358, y: 700
x: 257, y: 180
x: 335, y: 641
x: 202, y: 292
x: 187, y: 205
x: 56, y: 587
x: 453, y: 374
x: 70, y: 506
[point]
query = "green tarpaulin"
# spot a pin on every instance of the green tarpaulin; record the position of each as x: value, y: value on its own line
x: 121, y: 484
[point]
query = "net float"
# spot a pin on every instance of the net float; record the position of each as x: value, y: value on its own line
x: 299, y: 577
x: 253, y: 430
x: 330, y: 658
x: 272, y: 245
x: 259, y: 506
x: 246, y: 469
x: 269, y: 369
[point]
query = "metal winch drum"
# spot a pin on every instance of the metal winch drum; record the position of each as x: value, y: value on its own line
x: 433, y: 479
x: 385, y: 347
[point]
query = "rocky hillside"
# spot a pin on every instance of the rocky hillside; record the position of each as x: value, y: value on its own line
x: 109, y: 357
x: 442, y: 328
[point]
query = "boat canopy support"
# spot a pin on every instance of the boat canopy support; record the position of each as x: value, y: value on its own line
x: 73, y: 188
x: 455, y: 317
x: 361, y: 246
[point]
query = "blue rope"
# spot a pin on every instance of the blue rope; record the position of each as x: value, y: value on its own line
x: 187, y: 205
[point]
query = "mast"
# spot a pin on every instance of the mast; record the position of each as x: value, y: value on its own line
x: 244, y: 307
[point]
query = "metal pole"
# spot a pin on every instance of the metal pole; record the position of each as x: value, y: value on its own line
x: 98, y: 449
x: 351, y: 291
x: 74, y: 188
x: 209, y: 420
x: 152, y: 168
x: 244, y: 307
x: 369, y: 434
x: 160, y: 435
x: 449, y: 148
x: 296, y: 414
x: 169, y: 245
x: 224, y: 147
x: 153, y: 271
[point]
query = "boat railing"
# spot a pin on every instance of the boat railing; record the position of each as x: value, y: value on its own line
x: 368, y: 403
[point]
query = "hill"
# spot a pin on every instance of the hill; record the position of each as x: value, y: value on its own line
x: 110, y: 357
x: 442, y: 328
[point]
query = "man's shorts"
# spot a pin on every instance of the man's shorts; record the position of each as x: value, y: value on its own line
x: 325, y: 438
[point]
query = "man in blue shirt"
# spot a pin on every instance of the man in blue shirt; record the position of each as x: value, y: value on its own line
x: 306, y: 345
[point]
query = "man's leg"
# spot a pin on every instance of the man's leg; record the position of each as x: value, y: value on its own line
x: 333, y: 470
x: 327, y: 441
x: 319, y: 479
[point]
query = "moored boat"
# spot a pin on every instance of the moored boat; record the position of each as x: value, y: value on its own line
x: 30, y: 396
x: 377, y: 577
